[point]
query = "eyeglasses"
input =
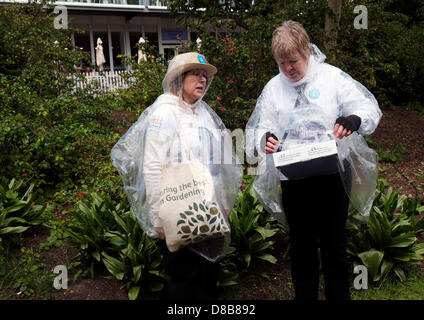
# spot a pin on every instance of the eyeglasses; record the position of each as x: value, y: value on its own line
x: 198, y: 74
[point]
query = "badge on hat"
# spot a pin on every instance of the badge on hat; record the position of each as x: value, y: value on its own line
x: 201, y: 59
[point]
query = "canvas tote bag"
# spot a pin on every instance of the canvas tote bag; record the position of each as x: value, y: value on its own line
x: 188, y: 208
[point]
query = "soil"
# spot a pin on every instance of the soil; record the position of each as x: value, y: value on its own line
x: 398, y: 127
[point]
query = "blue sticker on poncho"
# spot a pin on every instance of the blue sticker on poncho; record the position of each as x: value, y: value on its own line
x: 314, y: 93
x: 201, y: 59
x: 345, y: 75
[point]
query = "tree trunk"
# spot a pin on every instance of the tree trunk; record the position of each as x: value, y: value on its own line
x: 331, y: 24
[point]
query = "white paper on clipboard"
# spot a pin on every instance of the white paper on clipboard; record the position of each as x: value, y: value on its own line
x: 305, y: 152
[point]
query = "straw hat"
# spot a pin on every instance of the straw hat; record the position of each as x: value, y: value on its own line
x: 185, y: 62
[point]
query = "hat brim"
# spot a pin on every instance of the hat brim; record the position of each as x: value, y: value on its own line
x: 210, y: 69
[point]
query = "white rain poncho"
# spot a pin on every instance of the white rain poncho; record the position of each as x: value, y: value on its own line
x: 304, y: 112
x: 152, y: 142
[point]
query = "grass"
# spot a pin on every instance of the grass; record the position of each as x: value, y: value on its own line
x: 392, y: 289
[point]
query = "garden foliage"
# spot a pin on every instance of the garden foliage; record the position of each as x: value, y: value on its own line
x: 386, y: 57
x: 387, y: 242
x: 251, y: 229
x: 58, y: 139
x: 108, y: 235
x: 18, y: 212
x: 144, y: 79
x: 49, y: 133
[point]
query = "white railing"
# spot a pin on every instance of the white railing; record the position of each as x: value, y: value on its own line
x: 107, y: 81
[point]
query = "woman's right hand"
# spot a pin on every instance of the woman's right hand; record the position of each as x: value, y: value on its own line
x: 160, y: 232
x: 271, y: 145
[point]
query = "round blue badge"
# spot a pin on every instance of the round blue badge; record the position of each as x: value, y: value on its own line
x: 201, y: 59
x: 314, y: 93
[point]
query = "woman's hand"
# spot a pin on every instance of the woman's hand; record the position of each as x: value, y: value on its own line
x: 160, y: 232
x: 340, y: 131
x: 271, y: 145
x: 344, y: 126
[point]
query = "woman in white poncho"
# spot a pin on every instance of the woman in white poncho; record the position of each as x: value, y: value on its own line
x: 311, y: 101
x: 153, y: 142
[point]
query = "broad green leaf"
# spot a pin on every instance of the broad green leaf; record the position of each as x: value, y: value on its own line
x: 96, y: 255
x: 263, y: 246
x: 133, y: 292
x: 247, y: 258
x: 399, y: 272
x: 402, y: 241
x: 137, y: 273
x: 386, y: 266
x: 10, y: 230
x: 372, y: 260
x: 121, y: 223
x: 11, y: 220
x: 155, y: 272
x: 402, y: 256
x: 114, y: 266
x: 227, y: 283
x: 419, y: 248
x: 156, y: 286
x: 14, y: 208
x: 268, y: 257
x: 265, y: 233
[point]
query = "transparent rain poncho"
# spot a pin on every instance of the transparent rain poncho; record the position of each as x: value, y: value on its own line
x: 152, y: 142
x: 299, y: 114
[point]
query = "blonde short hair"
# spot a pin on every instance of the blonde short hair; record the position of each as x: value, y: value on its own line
x: 289, y: 38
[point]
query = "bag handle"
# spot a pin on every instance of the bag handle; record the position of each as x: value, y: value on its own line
x: 183, y: 144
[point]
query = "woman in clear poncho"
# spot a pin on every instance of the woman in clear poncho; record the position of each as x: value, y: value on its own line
x: 313, y: 102
x: 153, y: 141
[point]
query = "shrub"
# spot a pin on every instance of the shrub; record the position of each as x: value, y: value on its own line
x: 108, y: 235
x: 144, y: 80
x: 17, y: 212
x: 49, y: 132
x: 136, y: 259
x: 251, y: 230
x: 87, y: 233
x: 388, y: 241
x: 385, y: 57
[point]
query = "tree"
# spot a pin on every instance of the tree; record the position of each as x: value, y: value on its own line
x: 332, y: 20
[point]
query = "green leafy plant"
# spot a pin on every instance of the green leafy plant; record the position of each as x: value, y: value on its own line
x: 87, y: 234
x: 251, y: 229
x: 17, y: 211
x: 388, y: 241
x: 25, y: 275
x: 394, y: 155
x: 108, y: 235
x: 135, y: 258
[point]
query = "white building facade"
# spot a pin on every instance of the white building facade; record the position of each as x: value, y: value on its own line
x: 120, y: 24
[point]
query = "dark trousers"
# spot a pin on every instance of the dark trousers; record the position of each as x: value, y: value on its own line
x: 192, y: 276
x: 316, y: 210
